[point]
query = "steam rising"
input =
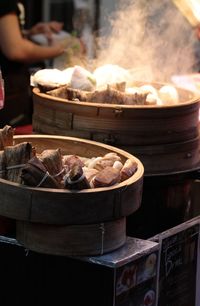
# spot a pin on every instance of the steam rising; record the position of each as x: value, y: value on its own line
x: 151, y: 38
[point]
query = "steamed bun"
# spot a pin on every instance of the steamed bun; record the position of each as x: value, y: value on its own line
x: 168, y: 94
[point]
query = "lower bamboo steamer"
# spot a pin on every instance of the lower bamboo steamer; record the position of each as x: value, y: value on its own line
x: 63, y: 222
x: 61, y: 206
x: 72, y: 240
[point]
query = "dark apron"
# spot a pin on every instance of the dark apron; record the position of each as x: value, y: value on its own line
x: 18, y: 102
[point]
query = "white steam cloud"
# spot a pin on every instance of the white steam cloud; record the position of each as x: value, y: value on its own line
x: 151, y: 38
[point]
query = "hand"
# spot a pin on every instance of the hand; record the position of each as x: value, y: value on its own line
x: 46, y: 28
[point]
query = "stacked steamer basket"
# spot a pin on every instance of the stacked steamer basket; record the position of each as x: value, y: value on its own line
x: 71, y: 222
x: 165, y: 138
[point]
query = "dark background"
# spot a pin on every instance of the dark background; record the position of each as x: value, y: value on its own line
x: 62, y: 11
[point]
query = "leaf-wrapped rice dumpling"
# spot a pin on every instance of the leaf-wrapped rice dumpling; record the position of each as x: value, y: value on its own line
x: 2, y: 165
x: 52, y: 160
x: 16, y: 157
x: 75, y: 179
x: 6, y: 136
x: 35, y: 174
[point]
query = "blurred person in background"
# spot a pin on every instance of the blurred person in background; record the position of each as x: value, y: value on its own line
x: 17, y: 52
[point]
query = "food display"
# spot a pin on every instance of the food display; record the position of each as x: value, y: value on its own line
x: 107, y: 84
x: 71, y: 195
x: 156, y: 122
x: 68, y: 180
x: 21, y: 163
x: 75, y: 172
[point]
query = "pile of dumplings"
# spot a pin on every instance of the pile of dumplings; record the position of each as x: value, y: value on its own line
x: 51, y: 169
x: 105, y: 82
x: 21, y: 163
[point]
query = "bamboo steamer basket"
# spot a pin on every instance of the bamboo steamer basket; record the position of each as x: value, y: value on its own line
x: 61, y: 206
x: 63, y: 222
x: 164, y: 138
x: 72, y: 240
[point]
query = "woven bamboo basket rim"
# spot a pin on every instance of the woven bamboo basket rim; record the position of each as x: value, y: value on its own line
x: 193, y: 98
x: 134, y: 178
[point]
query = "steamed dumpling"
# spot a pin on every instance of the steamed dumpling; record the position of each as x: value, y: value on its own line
x: 149, y: 89
x: 132, y: 90
x: 110, y: 74
x: 168, y: 94
x: 82, y: 79
x: 67, y: 74
x: 48, y: 77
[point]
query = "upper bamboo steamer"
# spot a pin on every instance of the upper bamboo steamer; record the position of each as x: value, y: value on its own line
x: 164, y: 138
x: 62, y: 206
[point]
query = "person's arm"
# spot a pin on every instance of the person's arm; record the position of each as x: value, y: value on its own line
x: 17, y: 48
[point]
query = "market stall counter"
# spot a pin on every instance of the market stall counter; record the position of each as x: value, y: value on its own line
x: 123, y: 277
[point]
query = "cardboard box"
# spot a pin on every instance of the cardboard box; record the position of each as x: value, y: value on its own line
x: 125, y: 277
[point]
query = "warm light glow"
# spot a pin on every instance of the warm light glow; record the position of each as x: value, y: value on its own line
x: 190, y: 9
